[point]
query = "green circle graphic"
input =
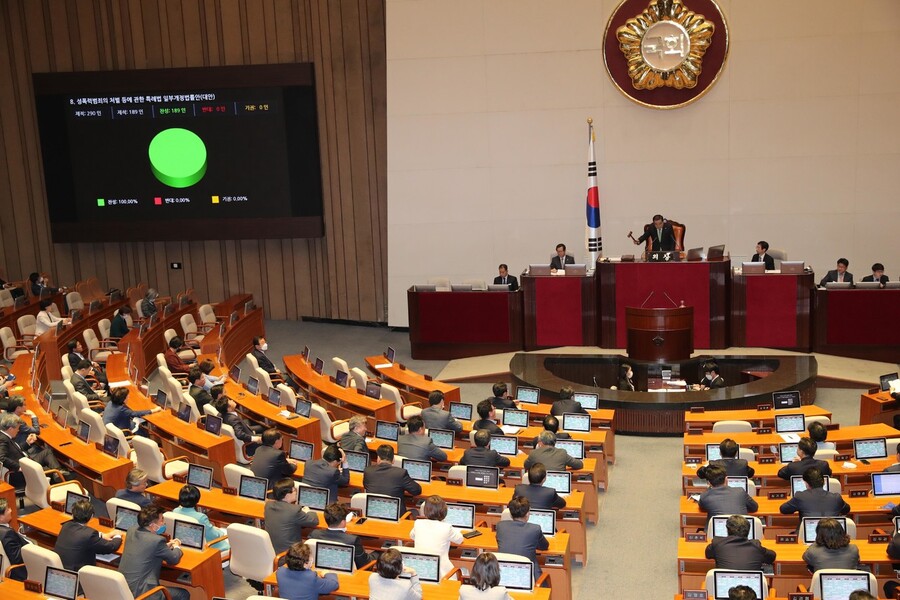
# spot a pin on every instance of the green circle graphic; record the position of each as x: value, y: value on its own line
x: 177, y: 157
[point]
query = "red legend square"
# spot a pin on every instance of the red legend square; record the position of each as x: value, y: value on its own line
x: 157, y: 201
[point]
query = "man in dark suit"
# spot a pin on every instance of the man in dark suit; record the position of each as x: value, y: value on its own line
x: 12, y: 542
x: 11, y: 452
x: 877, y: 275
x: 736, y: 551
x: 519, y: 536
x: 711, y: 378
x: 336, y: 519
x: 814, y: 501
x: 259, y: 353
x: 720, y: 499
x: 135, y: 485
x: 284, y: 517
x: 561, y: 259
x: 269, y: 461
x: 805, y: 459
x: 145, y: 551
x: 501, y: 398
x: 734, y: 466
x: 761, y: 248
x: 384, y: 478
x: 436, y: 417
x: 566, y: 404
x: 329, y: 472
x: 538, y: 495
x: 118, y: 328
x: 895, y: 468
x: 504, y: 278
x: 196, y: 390
x: 77, y: 354
x: 488, y: 418
x: 81, y: 371
x: 481, y: 455
x: 244, y: 431
x: 355, y: 439
x: 77, y: 544
x: 416, y: 444
x: 840, y: 274
x: 553, y: 458
x: 661, y: 234
x: 551, y: 424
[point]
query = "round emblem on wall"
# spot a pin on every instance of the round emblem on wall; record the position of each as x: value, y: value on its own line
x: 665, y: 54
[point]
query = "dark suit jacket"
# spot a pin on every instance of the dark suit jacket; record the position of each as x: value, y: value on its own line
x: 242, y: 430
x: 284, y: 521
x: 78, y: 545
x: 626, y: 385
x: 502, y: 403
x: 12, y: 546
x: 200, y: 396
x: 566, y: 406
x: 560, y: 435
x: 270, y: 463
x: 668, y: 237
x: 540, y: 496
x: 360, y: 556
x: 799, y: 467
x: 142, y: 559
x: 10, y: 452
x: 815, y: 503
x: 770, y: 263
x: 353, y: 442
x: 389, y: 480
x: 82, y: 386
x: 555, y: 263
x: 734, y: 467
x: 522, y: 538
x: 555, y: 459
x: 739, y: 553
x: 419, y: 447
x: 264, y: 363
x: 718, y: 382
x: 511, y: 281
x: 437, y: 418
x: 118, y: 328
x: 319, y: 473
x: 487, y: 424
x: 883, y: 280
x: 833, y: 276
x: 483, y: 457
x: 305, y: 584
x: 724, y: 500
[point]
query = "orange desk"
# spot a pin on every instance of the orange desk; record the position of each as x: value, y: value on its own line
x: 877, y: 407
x: 695, y: 445
x: 9, y: 493
x: 411, y: 383
x: 757, y: 418
x: 204, y: 567
x: 601, y: 418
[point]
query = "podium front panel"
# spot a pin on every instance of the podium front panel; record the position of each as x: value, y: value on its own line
x: 772, y: 310
x: 858, y: 323
x: 559, y: 311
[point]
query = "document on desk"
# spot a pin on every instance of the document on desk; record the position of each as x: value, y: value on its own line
x: 108, y: 558
x: 791, y: 438
x: 118, y: 384
x: 510, y: 429
x: 384, y: 366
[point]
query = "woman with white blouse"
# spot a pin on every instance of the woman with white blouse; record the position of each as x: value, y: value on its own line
x: 45, y: 319
x: 433, y: 535
x: 485, y: 581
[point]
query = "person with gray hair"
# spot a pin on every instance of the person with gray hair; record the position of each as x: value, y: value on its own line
x: 553, y: 458
x: 135, y: 484
x: 736, y: 551
x: 148, y: 304
x: 11, y: 452
x: 355, y: 439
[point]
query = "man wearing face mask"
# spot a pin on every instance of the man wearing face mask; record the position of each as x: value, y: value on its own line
x: 145, y: 551
x: 39, y: 287
x: 711, y: 378
x: 259, y: 353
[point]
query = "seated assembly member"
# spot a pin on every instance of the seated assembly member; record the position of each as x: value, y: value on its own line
x: 814, y: 501
x: 45, y: 320
x: 173, y: 361
x: 135, y: 485
x: 485, y: 581
x: 832, y: 548
x: 329, y: 472
x: 77, y: 544
x: 553, y: 458
x: 284, y: 517
x: 79, y: 380
x: 386, y: 479
x: 819, y: 434
x: 188, y: 498
x: 11, y: 452
x: 720, y: 499
x: 840, y: 274
x: 386, y: 584
x: 566, y: 404
x: 416, y: 445
x: 734, y: 466
x: 481, y: 455
x: 249, y: 433
x: 77, y: 354
x: 488, y: 418
x: 197, y: 390
x: 737, y: 552
x: 269, y: 461
x: 145, y: 551
x: 518, y: 536
x: 761, y: 248
x: 433, y: 535
x: 298, y: 580
x: 806, y: 451
x: 436, y: 417
x: 551, y: 424
x: 118, y: 328
x: 561, y: 259
x: 661, y: 234
x: 539, y: 495
x: 148, y: 304
x: 336, y: 519
x: 877, y: 274
x: 119, y: 414
x: 12, y: 542
x: 355, y: 439
x: 501, y: 398
x: 504, y: 278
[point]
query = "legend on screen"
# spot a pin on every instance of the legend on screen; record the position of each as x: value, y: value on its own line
x: 215, y: 199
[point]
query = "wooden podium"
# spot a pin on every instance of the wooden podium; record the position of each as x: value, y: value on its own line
x: 660, y: 334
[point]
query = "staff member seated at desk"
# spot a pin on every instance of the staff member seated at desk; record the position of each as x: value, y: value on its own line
x: 77, y: 544
x: 416, y: 445
x: 761, y: 248
x: 436, y: 417
x: 504, y: 278
x: 566, y: 404
x: 711, y: 378
x: 737, y: 552
x: 297, y: 580
x: 832, y: 549
x: 284, y: 517
x: 806, y: 451
x: 839, y: 274
x: 626, y: 381
x: 561, y: 259
x: 519, y: 536
x: 329, y: 472
x: 538, y: 495
x: 270, y: 461
x: 12, y: 542
x: 384, y: 478
x: 480, y: 455
x: 145, y: 552
x: 135, y: 485
x: 877, y: 275
x: 720, y: 499
x: 501, y: 398
x: 734, y: 466
x: 488, y: 418
x: 553, y: 458
x: 336, y: 519
x: 814, y: 501
x: 355, y: 439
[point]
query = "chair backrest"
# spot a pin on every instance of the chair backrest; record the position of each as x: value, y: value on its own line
x: 826, y: 453
x: 834, y: 485
x: 137, y: 309
x: 98, y: 582
x: 7, y: 337
x: 114, y: 503
x: 90, y: 339
x: 168, y: 334
x: 36, y: 483
x: 746, y: 454
x: 54, y: 310
x: 104, y: 326
x: 210, y: 410
x: 233, y: 474
x: 252, y: 554
x: 74, y: 301
x: 254, y: 364
x: 37, y: 560
x: 778, y: 255
x: 288, y: 397
x: 817, y: 419
x: 6, y: 299
x: 440, y: 283
x: 238, y: 445
x: 709, y: 584
x: 26, y: 324
x: 265, y: 381
x: 149, y: 457
x: 477, y: 284
x: 195, y: 412
x: 358, y: 502
x: 457, y: 472
x: 816, y: 588
x: 732, y: 427
x: 317, y: 412
x: 340, y: 364
x: 392, y: 394
x: 98, y: 428
x: 188, y: 324
x: 161, y: 360
x: 757, y: 526
x: 66, y: 371
x: 207, y: 314
x: 124, y: 446
x: 359, y: 377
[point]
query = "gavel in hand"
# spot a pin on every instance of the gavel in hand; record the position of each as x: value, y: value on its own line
x: 631, y: 235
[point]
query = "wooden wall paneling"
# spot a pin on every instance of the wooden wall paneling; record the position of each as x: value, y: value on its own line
x: 273, y: 283
x: 285, y: 34
x: 377, y: 86
x: 253, y: 31
x: 230, y: 32
x: 59, y: 36
x: 9, y: 259
x: 36, y: 24
x: 153, y: 35
x: 135, y: 46
x: 251, y: 268
x: 115, y: 267
x: 88, y: 34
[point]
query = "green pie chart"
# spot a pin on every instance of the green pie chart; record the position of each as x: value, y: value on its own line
x: 177, y: 157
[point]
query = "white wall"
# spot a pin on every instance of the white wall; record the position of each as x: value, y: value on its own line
x: 798, y: 143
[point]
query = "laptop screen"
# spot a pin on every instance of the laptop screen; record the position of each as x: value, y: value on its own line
x: 505, y: 444
x: 808, y: 529
x: 341, y: 378
x: 62, y: 417
x: 561, y: 481
x: 426, y: 566
x: 725, y: 580
x: 545, y: 518
x: 253, y: 385
x: 373, y: 389
x: 233, y: 318
x: 576, y: 422
x: 461, y: 410
x: 587, y: 401
x: 84, y: 431
x: 720, y: 530
x: 184, y: 412
x: 200, y: 476
x: 442, y: 438
x: 791, y: 423
x: 420, y: 470
x: 253, y: 488
x: 60, y: 583
x: 111, y: 445
x: 305, y: 353
x: 357, y: 461
x: 72, y: 498
x: 460, y: 515
x: 301, y: 451
x: 515, y: 418
x: 386, y: 430
x: 482, y: 477
x: 575, y: 448
x: 126, y: 518
x: 390, y: 354
x: 886, y: 484
x: 516, y: 575
x: 713, y: 452
x: 313, y: 497
x: 885, y: 381
x: 737, y: 482
x: 274, y: 397
x: 319, y: 365
x: 235, y: 374
x: 303, y: 407
x: 334, y: 557
x: 528, y: 395
x: 787, y: 452
x: 798, y: 485
x: 789, y: 399
x: 383, y: 507
x: 838, y: 586
x: 870, y: 448
x: 213, y: 424
x: 190, y: 534
x: 162, y: 400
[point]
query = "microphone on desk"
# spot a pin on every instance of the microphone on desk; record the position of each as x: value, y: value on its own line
x: 670, y: 300
x: 594, y: 377
x: 647, y: 298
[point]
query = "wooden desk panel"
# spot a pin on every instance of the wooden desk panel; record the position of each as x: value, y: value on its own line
x: 877, y: 407
x: 757, y: 418
x: 772, y: 310
x: 559, y: 311
x: 843, y: 438
x: 238, y: 338
x: 857, y: 323
x: 410, y: 382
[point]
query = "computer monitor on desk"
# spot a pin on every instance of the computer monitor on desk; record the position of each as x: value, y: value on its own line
x: 313, y: 497
x: 885, y: 381
x: 517, y: 576
x: 442, y: 438
x: 301, y: 450
x: 798, y: 485
x: 787, y: 451
x: 870, y: 448
x: 886, y: 484
x: 724, y: 580
x: 426, y: 566
x: 461, y: 410
x: 61, y: 584
x: 790, y: 423
x: 576, y: 269
x: 716, y: 252
x: 837, y: 586
x: 587, y: 400
x: 809, y: 525
x: 357, y: 461
x: 753, y: 268
x: 528, y: 395
x: 483, y: 477
x: 460, y: 515
x: 536, y: 270
x: 792, y: 267
x: 334, y: 557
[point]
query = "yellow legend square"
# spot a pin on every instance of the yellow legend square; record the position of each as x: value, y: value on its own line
x: 215, y: 199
